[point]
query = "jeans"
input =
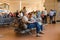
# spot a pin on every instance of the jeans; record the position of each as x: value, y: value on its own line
x: 45, y: 19
x: 41, y: 27
x: 51, y: 19
x: 33, y: 25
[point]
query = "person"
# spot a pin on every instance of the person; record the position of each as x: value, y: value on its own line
x: 51, y: 14
x: 20, y: 14
x: 42, y: 16
x: 33, y: 15
x: 17, y: 14
x: 39, y: 20
x: 2, y: 15
x: 45, y: 16
x: 24, y: 10
x: 54, y: 14
x: 31, y: 23
x: 10, y: 14
x: 38, y: 13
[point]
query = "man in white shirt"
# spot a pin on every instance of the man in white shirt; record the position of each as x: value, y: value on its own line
x: 45, y: 16
x: 20, y: 14
x: 51, y: 14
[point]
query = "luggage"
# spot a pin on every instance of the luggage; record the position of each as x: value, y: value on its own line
x: 53, y: 22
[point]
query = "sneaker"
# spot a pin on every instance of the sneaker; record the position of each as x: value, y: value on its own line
x: 38, y: 35
x: 41, y: 33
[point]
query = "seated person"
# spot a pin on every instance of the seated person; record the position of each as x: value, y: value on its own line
x: 39, y: 20
x: 31, y: 23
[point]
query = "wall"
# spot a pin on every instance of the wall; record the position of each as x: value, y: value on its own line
x: 4, y: 1
x: 13, y: 4
x: 53, y: 4
x: 33, y: 4
x: 58, y: 11
x: 30, y: 4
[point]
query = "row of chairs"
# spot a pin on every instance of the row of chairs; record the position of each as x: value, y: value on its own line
x: 4, y: 21
x: 22, y: 27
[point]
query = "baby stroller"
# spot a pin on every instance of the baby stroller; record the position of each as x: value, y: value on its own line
x: 22, y: 27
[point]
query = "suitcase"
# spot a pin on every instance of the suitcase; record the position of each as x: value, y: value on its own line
x: 53, y: 22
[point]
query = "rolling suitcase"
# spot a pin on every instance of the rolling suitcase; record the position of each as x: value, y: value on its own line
x: 53, y: 22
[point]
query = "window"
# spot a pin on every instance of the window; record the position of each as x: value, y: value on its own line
x: 4, y: 6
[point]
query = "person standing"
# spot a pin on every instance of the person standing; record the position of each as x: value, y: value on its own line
x: 17, y: 14
x: 54, y: 14
x: 51, y: 14
x: 45, y: 16
x: 20, y: 14
x: 24, y: 10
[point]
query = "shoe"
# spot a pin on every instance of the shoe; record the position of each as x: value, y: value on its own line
x: 29, y: 33
x: 41, y: 33
x: 38, y: 35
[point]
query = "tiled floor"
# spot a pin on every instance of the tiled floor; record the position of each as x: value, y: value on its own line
x: 51, y: 32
